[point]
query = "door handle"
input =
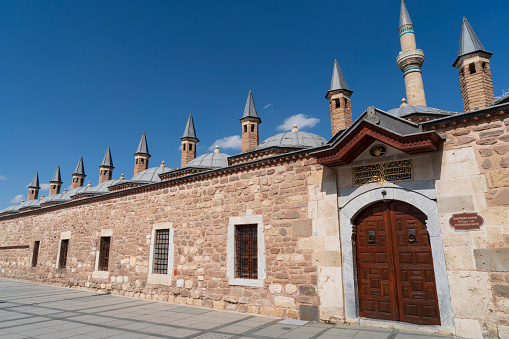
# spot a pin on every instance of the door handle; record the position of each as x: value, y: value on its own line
x: 371, y: 237
x: 412, y: 236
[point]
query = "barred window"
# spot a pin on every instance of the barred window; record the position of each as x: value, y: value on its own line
x: 246, y: 250
x: 64, y: 246
x: 161, y: 249
x: 35, y: 255
x: 104, y: 253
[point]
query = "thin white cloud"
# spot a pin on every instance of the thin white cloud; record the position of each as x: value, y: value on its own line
x: 2, y: 177
x: 267, y: 106
x: 45, y: 187
x: 233, y: 142
x: 301, y: 120
x: 17, y: 199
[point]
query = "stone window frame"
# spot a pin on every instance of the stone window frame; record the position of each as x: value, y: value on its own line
x: 156, y: 278
x: 63, y: 236
x: 34, y: 239
x: 230, y: 250
x: 101, y: 274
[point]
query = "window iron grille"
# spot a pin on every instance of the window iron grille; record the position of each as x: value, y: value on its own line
x: 161, y: 249
x: 35, y: 255
x: 246, y: 251
x: 104, y: 253
x: 64, y: 246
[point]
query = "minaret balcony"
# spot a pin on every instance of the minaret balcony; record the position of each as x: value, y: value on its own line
x: 410, y: 59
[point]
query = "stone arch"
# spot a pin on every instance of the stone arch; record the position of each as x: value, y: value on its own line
x: 429, y: 207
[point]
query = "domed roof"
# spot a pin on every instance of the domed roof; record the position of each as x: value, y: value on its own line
x: 30, y: 204
x: 55, y: 198
x: 151, y: 174
x: 210, y: 160
x: 294, y: 138
x: 11, y: 209
x: 405, y: 110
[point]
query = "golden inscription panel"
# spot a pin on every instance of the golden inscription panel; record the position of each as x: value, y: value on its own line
x: 398, y: 170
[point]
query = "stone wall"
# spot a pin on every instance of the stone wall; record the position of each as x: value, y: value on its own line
x: 199, y: 212
x: 475, y: 177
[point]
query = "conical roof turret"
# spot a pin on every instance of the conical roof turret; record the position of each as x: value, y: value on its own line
x: 189, y: 131
x: 250, y: 109
x: 338, y: 81
x: 107, y: 161
x: 469, y: 42
x: 142, y: 146
x: 404, y: 17
x: 56, y: 177
x: 80, y: 169
x: 35, y: 181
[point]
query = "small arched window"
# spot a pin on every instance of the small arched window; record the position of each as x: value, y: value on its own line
x: 471, y: 67
x: 190, y: 147
x: 245, y: 128
x: 252, y: 128
x: 142, y: 161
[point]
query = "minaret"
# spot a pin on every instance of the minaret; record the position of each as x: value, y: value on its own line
x: 410, y: 60
x: 79, y: 175
x: 55, y: 182
x: 189, y: 141
x: 141, y: 156
x: 33, y: 188
x: 339, y: 101
x: 250, y: 122
x: 473, y: 64
x: 106, y: 167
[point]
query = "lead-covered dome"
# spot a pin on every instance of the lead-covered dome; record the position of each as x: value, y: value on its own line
x: 405, y: 111
x: 151, y: 174
x: 210, y: 160
x: 294, y: 138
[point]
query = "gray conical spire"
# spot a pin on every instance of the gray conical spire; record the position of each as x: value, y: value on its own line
x: 338, y: 80
x: 469, y: 42
x: 56, y: 176
x: 250, y: 109
x: 80, y: 169
x: 142, y: 146
x: 107, y: 162
x: 189, y: 131
x: 404, y: 17
x: 35, y: 181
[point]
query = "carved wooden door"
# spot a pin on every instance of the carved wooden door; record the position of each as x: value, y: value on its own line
x: 395, y: 272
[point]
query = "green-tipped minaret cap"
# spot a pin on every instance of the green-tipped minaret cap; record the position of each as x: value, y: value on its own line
x: 404, y: 17
x: 80, y: 169
x: 35, y: 181
x: 189, y: 131
x: 142, y: 146
x: 107, y: 162
x: 56, y: 177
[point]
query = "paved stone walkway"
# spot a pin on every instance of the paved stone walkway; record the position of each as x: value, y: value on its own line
x: 40, y: 311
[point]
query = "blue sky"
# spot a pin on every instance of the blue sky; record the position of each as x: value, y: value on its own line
x: 77, y: 76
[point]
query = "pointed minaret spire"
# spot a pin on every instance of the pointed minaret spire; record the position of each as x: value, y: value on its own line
x: 404, y: 17
x: 141, y: 156
x: 339, y: 100
x: 250, y: 121
x: 410, y: 60
x: 474, y: 70
x: 189, y: 131
x: 33, y: 188
x: 79, y: 175
x: 338, y: 80
x: 250, y: 109
x: 55, y: 182
x: 106, y: 167
x: 189, y: 141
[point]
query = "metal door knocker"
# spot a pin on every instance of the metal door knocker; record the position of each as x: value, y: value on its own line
x: 371, y: 237
x: 412, y: 236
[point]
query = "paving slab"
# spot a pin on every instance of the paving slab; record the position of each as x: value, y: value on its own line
x: 29, y: 310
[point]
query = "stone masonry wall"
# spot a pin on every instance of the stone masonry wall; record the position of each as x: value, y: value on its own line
x: 199, y: 212
x: 475, y: 177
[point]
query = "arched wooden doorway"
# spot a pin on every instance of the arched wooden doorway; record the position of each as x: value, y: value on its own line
x: 395, y: 275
